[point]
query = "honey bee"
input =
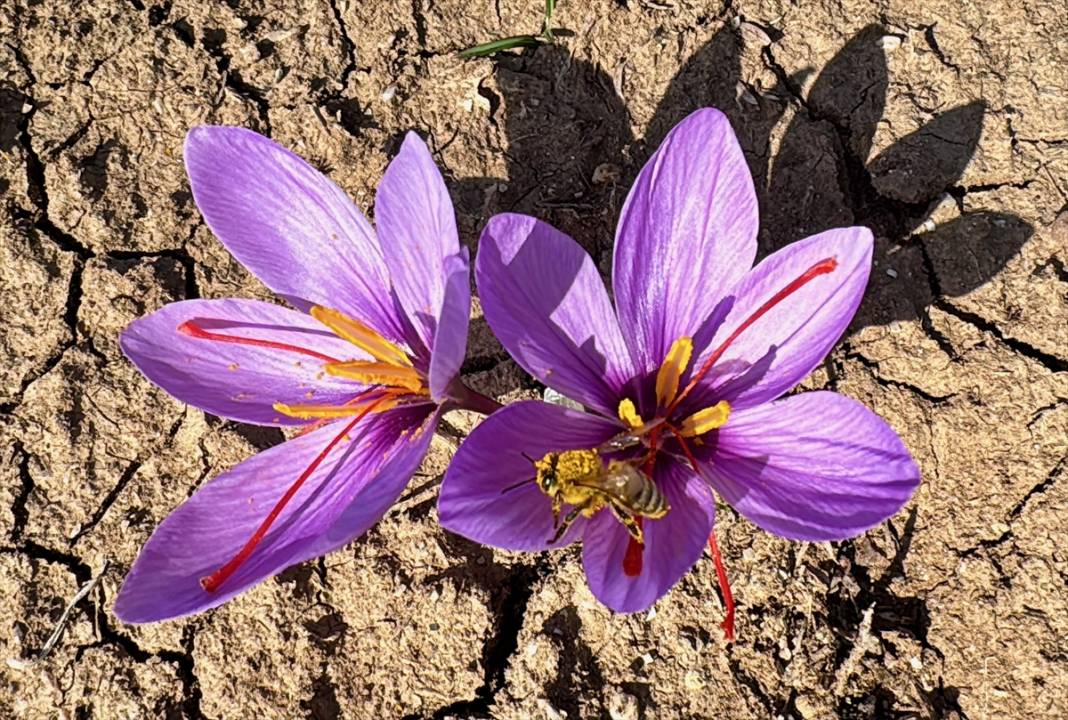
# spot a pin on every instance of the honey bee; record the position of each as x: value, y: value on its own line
x: 580, y: 478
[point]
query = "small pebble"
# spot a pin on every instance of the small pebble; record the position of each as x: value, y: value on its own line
x: 388, y: 93
x: 606, y: 173
x: 742, y: 94
x: 249, y: 53
x: 754, y: 34
x: 891, y: 272
x: 280, y: 35
x: 890, y: 42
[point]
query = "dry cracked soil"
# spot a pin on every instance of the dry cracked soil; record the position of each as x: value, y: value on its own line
x: 942, y: 125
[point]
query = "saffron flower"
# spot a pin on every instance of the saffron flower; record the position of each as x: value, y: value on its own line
x: 681, y: 381
x: 365, y: 365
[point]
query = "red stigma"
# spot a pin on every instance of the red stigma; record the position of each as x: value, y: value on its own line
x: 724, y: 588
x: 212, y: 582
x: 192, y: 329
x: 632, y: 560
x: 820, y: 268
x: 721, y: 571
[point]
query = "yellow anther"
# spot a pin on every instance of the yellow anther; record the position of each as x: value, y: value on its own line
x: 361, y: 336
x: 705, y: 420
x: 667, y: 377
x: 377, y: 373
x: 311, y: 412
x: 629, y: 414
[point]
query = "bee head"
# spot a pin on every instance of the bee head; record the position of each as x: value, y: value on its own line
x: 546, y: 472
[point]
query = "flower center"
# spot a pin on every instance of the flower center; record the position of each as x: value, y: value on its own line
x: 392, y: 378
x: 668, y: 398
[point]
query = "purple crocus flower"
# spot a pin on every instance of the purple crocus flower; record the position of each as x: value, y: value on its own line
x: 366, y: 364
x: 689, y: 366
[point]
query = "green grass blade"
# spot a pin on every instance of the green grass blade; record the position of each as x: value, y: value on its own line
x: 495, y: 46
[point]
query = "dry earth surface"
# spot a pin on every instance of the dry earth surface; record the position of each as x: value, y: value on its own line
x: 939, y: 124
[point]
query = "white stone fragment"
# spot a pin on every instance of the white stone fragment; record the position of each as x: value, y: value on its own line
x: 890, y: 42
x: 279, y: 35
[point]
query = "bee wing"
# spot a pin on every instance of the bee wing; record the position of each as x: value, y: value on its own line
x: 613, y: 485
x: 619, y: 442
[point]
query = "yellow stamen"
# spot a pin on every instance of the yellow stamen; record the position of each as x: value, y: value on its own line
x: 629, y: 414
x: 377, y: 373
x: 361, y: 336
x: 311, y: 412
x: 667, y: 377
x: 705, y: 420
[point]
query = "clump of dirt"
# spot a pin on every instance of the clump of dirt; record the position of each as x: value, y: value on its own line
x: 939, y: 125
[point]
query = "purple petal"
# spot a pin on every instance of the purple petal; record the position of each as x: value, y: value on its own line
x: 778, y: 350
x: 289, y: 225
x: 545, y: 302
x: 471, y: 502
x: 687, y: 235
x: 417, y: 230
x: 672, y: 544
x: 341, y: 498
x: 450, y: 337
x: 380, y: 494
x: 239, y: 382
x: 814, y: 466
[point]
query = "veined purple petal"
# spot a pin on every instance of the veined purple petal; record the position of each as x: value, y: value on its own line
x: 417, y: 231
x: 207, y: 530
x: 450, y: 337
x: 545, y: 302
x: 289, y: 225
x: 379, y: 494
x: 672, y: 544
x: 778, y: 350
x: 471, y: 502
x: 235, y: 381
x: 686, y: 236
x: 814, y: 466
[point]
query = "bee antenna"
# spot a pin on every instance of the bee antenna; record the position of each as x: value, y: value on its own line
x: 516, y: 486
x: 532, y: 460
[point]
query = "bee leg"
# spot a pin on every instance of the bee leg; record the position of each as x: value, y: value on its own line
x: 563, y: 526
x: 628, y: 521
x: 557, y: 504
